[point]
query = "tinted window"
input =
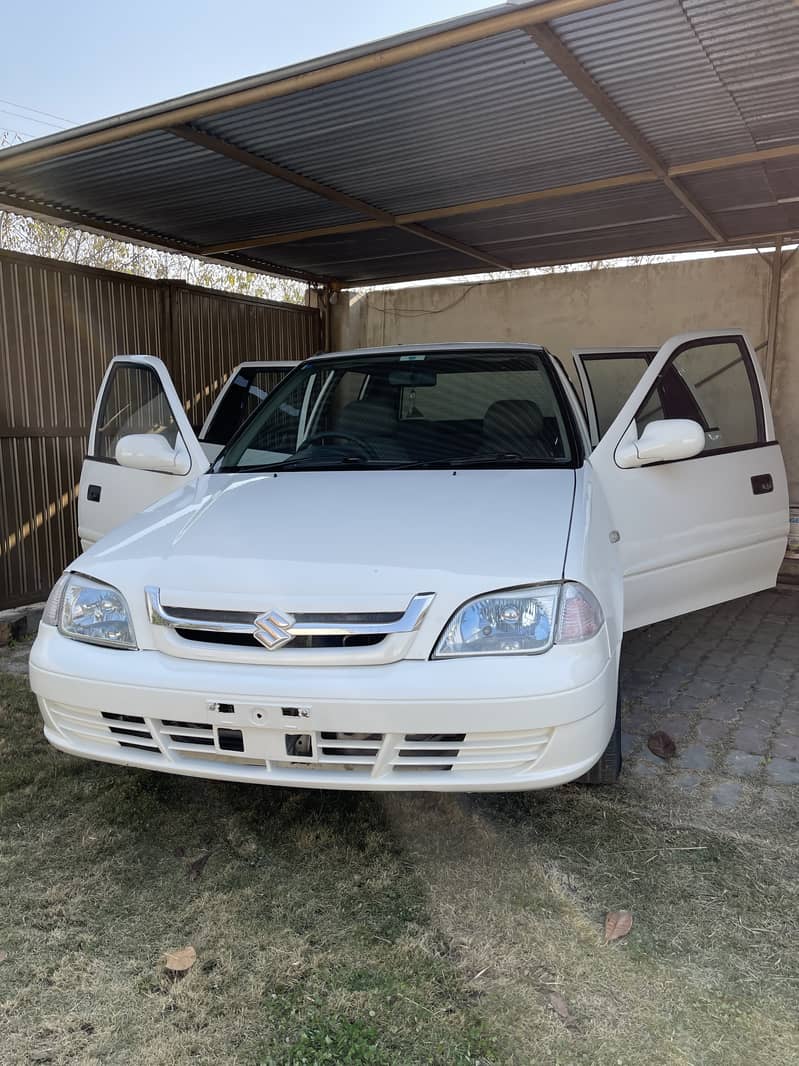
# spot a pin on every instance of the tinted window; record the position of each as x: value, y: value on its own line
x: 391, y: 409
x: 611, y: 379
x: 133, y: 402
x: 712, y: 384
x: 241, y: 397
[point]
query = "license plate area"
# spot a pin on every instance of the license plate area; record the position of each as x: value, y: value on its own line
x: 299, y: 745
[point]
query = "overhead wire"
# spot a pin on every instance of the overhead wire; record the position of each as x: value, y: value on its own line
x: 37, y: 111
x: 30, y: 118
x: 418, y: 312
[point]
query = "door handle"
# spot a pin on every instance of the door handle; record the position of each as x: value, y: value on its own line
x: 762, y: 483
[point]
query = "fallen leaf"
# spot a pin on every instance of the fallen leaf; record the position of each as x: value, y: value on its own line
x: 3, y: 956
x: 180, y: 961
x: 560, y: 1006
x: 196, y: 866
x: 617, y: 925
x: 662, y: 745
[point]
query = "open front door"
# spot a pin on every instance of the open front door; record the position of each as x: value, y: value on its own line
x: 137, y: 396
x: 695, y: 530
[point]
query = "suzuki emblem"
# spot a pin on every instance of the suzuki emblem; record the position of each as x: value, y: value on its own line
x: 272, y: 629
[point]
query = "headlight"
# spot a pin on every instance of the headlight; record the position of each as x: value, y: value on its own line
x: 88, y: 610
x: 522, y: 621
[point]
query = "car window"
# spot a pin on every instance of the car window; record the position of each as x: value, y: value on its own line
x: 311, y: 408
x: 611, y: 378
x: 712, y: 383
x: 133, y: 402
x: 466, y: 395
x: 402, y: 410
x: 250, y: 386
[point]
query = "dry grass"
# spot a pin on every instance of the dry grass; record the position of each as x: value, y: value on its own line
x: 346, y: 928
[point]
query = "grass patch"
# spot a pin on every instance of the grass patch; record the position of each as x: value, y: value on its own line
x: 353, y: 928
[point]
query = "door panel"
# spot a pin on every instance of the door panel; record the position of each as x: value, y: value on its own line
x: 136, y: 396
x: 697, y: 531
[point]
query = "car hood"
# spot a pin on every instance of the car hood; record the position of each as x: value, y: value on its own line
x: 359, y: 539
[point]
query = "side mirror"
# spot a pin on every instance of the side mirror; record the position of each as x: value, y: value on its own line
x: 151, y: 451
x: 662, y: 442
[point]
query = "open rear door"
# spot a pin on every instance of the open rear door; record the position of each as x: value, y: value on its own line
x: 248, y: 385
x: 137, y: 396
x: 614, y: 374
x: 700, y: 530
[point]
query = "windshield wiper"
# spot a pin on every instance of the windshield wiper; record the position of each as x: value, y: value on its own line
x: 492, y: 459
x: 350, y: 462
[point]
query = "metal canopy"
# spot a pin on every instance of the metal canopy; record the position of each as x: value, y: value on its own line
x: 525, y: 135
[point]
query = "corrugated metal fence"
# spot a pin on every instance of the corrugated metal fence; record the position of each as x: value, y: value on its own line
x: 59, y: 326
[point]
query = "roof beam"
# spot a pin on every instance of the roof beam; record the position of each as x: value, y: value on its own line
x: 555, y: 50
x: 63, y: 216
x: 352, y: 203
x: 471, y: 208
x: 120, y: 128
x: 622, y: 181
x: 274, y: 170
x: 455, y: 246
x: 729, y: 162
x: 290, y: 236
x: 747, y: 241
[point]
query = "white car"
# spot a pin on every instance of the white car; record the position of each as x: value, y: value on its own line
x: 137, y: 395
x: 410, y: 568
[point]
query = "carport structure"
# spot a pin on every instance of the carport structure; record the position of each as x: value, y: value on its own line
x: 522, y: 136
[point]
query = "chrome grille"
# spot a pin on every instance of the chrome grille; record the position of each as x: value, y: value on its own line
x: 276, y: 633
x: 244, y: 640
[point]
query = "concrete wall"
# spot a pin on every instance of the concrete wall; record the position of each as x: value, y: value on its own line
x: 627, y: 306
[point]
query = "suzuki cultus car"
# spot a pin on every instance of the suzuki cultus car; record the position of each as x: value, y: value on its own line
x: 409, y: 568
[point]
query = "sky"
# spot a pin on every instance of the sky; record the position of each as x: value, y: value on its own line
x: 89, y: 59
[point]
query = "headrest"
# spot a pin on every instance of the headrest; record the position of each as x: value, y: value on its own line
x: 367, y: 418
x: 512, y: 424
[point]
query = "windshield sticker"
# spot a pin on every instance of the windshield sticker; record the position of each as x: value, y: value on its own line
x: 412, y: 358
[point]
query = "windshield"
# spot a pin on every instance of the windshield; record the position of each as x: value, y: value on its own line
x: 395, y: 410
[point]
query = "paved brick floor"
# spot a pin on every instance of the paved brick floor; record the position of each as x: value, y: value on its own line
x: 724, y: 683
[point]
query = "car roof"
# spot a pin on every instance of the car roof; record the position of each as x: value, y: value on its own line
x: 462, y: 347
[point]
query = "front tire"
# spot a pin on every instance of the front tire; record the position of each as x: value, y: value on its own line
x: 608, y: 767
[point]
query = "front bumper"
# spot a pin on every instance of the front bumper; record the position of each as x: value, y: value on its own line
x: 467, y: 725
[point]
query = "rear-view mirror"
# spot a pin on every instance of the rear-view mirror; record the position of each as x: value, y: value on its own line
x: 151, y: 451
x: 662, y: 441
x: 420, y: 378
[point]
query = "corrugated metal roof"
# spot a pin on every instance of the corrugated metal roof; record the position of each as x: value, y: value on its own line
x: 400, y: 130
x: 647, y: 57
x: 532, y: 232
x: 486, y: 119
x: 154, y: 179
x: 383, y: 252
x: 753, y: 48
